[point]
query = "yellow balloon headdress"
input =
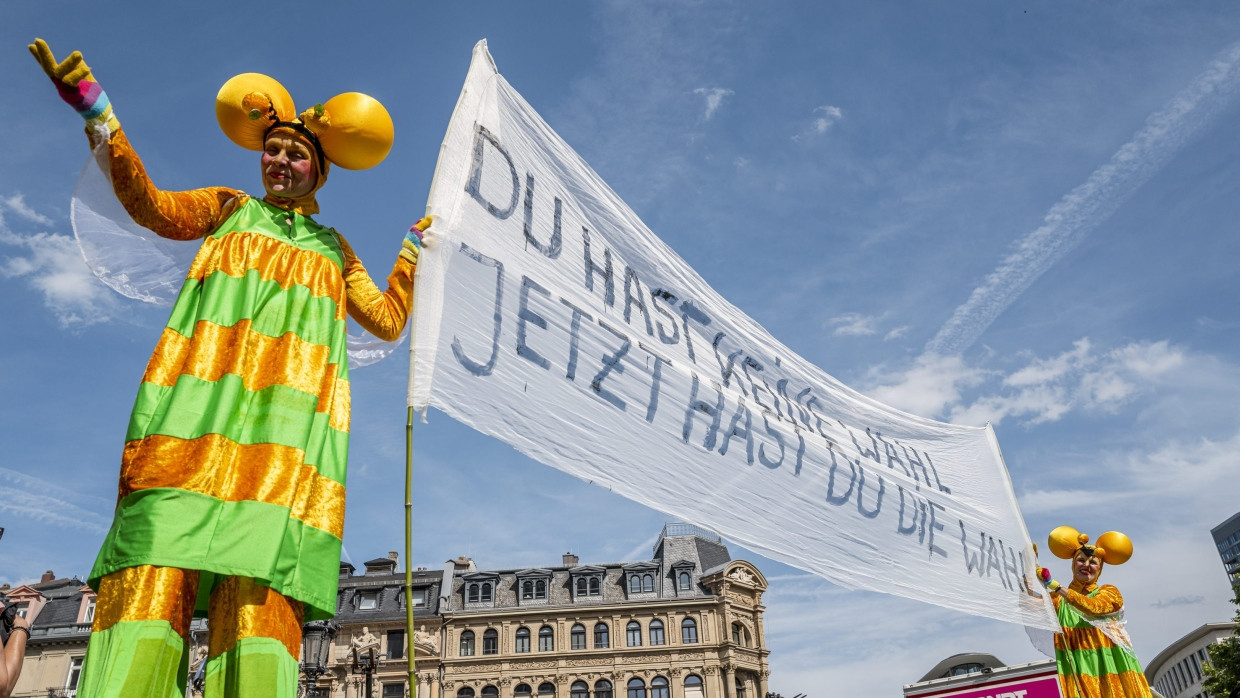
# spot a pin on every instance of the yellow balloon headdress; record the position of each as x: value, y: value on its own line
x: 1113, y: 547
x: 351, y: 130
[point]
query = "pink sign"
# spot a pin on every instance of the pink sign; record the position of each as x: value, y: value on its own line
x: 1046, y: 686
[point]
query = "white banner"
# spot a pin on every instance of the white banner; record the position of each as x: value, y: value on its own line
x: 549, y: 316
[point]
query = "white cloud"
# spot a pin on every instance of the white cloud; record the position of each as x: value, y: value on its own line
x: 714, y: 98
x: 929, y: 387
x: 52, y: 265
x: 821, y: 120
x: 854, y: 325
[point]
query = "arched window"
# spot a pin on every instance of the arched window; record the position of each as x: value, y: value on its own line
x: 658, y: 688
x: 527, y: 589
x: 540, y: 589
x: 594, y: 586
x: 582, y: 586
x: 579, y: 689
x: 473, y: 593
x: 546, y: 639
x: 466, y: 692
x: 490, y: 641
x: 740, y: 688
x: 635, y: 584
x: 578, y: 637
x: 688, y: 631
x: 486, y: 592
x: 633, y: 634
x: 490, y: 692
x: 693, y: 686
x: 656, y: 633
x: 685, y: 582
x: 467, y: 643
x: 522, y: 689
x: 740, y: 635
x: 523, y: 640
x: 601, y: 638
x: 647, y: 582
x: 637, y: 688
x: 546, y: 689
x: 602, y: 688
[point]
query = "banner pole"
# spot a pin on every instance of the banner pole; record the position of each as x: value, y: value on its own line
x: 409, y: 649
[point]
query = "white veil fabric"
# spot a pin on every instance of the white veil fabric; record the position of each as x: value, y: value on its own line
x: 139, y: 264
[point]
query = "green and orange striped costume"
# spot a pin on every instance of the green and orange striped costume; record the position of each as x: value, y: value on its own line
x: 232, y: 487
x: 1091, y: 664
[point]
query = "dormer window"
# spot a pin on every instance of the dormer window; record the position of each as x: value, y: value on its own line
x: 587, y: 582
x: 367, y: 600
x: 640, y: 579
x: 479, y: 590
x: 682, y: 576
x: 533, y: 586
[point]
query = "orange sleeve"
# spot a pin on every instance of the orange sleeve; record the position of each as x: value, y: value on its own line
x: 381, y: 313
x: 1107, y: 600
x: 184, y: 215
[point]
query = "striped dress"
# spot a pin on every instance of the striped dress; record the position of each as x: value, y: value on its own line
x: 235, y: 457
x: 1090, y: 664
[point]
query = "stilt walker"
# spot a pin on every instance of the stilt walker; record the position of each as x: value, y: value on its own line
x: 232, y: 486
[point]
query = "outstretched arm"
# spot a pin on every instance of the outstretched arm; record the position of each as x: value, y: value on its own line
x: 384, y: 313
x: 177, y: 215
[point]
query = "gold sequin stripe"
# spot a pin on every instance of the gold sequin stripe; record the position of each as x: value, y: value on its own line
x: 206, y: 465
x: 240, y: 608
x: 1082, y: 639
x: 274, y: 260
x: 1128, y: 683
x: 147, y: 592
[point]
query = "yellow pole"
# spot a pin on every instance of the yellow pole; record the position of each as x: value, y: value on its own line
x: 413, y: 685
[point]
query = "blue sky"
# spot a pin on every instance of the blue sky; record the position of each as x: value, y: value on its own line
x: 973, y: 211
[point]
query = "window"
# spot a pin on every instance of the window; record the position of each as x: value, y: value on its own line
x: 522, y: 689
x: 467, y: 643
x: 637, y: 688
x: 490, y: 692
x: 393, y: 690
x: 472, y: 597
x: 75, y: 673
x: 635, y: 584
x: 396, y: 644
x: 523, y: 640
x: 602, y: 688
x: 688, y: 631
x: 601, y: 639
x: 466, y: 692
x: 658, y: 688
x: 740, y: 636
x: 527, y: 590
x: 647, y: 582
x: 583, y: 586
x: 587, y: 586
x: 684, y: 581
x: 740, y: 688
x: 578, y: 637
x: 546, y: 689
x: 367, y: 600
x: 656, y: 633
x: 595, y: 586
x: 89, y: 616
x: 540, y: 589
x: 486, y: 592
x: 22, y: 608
x: 418, y: 596
x: 579, y: 689
x: 490, y: 642
x: 633, y: 634
x: 546, y: 639
x: 693, y: 686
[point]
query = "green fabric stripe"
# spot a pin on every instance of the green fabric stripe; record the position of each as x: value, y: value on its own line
x: 192, y: 531
x: 257, y: 216
x: 257, y: 667
x: 226, y: 300
x: 1098, y: 662
x: 134, y: 658
x: 276, y: 414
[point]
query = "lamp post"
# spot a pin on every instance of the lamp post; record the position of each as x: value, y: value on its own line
x: 365, y: 664
x: 316, y: 647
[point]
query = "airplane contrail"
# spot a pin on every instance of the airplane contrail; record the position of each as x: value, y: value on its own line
x: 1081, y: 210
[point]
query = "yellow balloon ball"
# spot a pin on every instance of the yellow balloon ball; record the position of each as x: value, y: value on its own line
x: 1118, y: 547
x: 1063, y: 542
x: 360, y: 134
x: 244, y: 104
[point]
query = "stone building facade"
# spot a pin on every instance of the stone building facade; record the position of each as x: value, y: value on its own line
x: 687, y: 623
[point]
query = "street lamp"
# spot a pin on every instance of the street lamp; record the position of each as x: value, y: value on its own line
x: 365, y: 665
x: 316, y: 647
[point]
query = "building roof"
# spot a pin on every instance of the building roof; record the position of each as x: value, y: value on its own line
x: 1198, y: 636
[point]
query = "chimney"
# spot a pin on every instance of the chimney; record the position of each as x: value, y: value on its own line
x: 570, y: 560
x: 393, y: 555
x: 47, y: 577
x: 462, y: 564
